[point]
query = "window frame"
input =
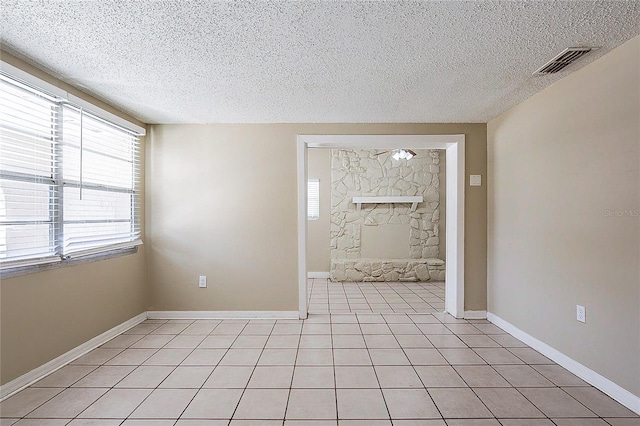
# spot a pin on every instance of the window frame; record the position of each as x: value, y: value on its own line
x: 58, y: 258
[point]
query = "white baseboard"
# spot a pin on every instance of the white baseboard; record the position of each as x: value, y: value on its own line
x: 326, y: 275
x: 38, y: 373
x: 475, y: 314
x: 193, y: 315
x: 615, y: 391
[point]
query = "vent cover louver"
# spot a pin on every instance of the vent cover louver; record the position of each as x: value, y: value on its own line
x: 563, y: 60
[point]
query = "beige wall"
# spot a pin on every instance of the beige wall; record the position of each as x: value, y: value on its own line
x: 557, y: 163
x: 233, y: 218
x: 46, y: 314
x: 318, y: 239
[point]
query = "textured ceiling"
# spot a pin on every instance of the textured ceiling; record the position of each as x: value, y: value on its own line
x: 310, y: 61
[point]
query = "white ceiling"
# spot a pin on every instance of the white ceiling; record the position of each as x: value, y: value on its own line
x: 310, y: 61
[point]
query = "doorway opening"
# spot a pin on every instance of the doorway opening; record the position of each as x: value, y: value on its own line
x: 454, y: 146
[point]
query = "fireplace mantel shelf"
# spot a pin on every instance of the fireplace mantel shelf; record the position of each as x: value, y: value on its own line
x: 410, y: 199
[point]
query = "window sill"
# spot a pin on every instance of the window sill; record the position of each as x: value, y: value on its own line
x: 25, y: 270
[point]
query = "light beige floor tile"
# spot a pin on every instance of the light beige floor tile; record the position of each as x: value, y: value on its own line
x: 348, y: 341
x: 423, y: 319
x: 241, y: 357
x: 97, y: 356
x: 381, y: 341
x: 229, y: 328
x: 342, y: 422
x: 199, y: 329
x: 404, y: 329
x: 361, y: 404
x: 421, y: 422
x: 185, y: 341
x: 64, y: 377
x: 95, y: 422
x: 370, y: 319
x: 313, y: 377
x: 25, y: 401
x: 168, y: 357
x: 68, y: 404
x: 145, y: 377
x: 106, y: 376
x: 314, y: 357
x: 397, y: 377
x: 116, y: 404
x: 439, y: 376
x: 204, y: 357
x: 490, y: 329
x: 434, y: 329
x: 229, y: 377
x: 530, y: 356
x: 410, y: 404
x: 311, y: 404
x: 351, y: 357
x: 555, y: 402
x: 528, y: 422
x: 213, y: 404
x: 397, y: 319
x: 258, y: 404
x: 523, y: 376
x: 473, y: 422
x: 284, y: 328
x: 507, y: 341
x: 498, y: 356
x: 217, y: 342
x: 580, y: 422
x: 507, y: 402
x: 388, y: 357
x: 131, y: 357
x: 598, y: 402
x: 171, y: 328
x: 42, y: 422
x: 425, y: 357
x: 250, y: 341
x: 458, y: 403
x: 624, y: 421
x: 446, y: 341
x: 481, y: 376
x: 194, y: 422
x: 164, y: 404
x: 153, y: 341
x: 308, y: 423
x: 345, y: 329
x: 123, y: 341
x: 257, y: 329
x: 271, y: 377
x: 478, y: 341
x: 413, y: 341
x: 189, y: 377
x: 462, y: 357
x: 290, y: 341
x: 316, y: 328
x: 559, y: 376
x: 148, y: 422
x: 278, y: 357
x: 356, y: 377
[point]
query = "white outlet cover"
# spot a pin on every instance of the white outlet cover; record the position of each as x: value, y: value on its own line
x: 475, y: 180
x: 202, y: 281
x: 581, y: 313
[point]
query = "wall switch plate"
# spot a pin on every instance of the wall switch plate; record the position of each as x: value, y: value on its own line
x: 202, y: 281
x: 475, y: 180
x: 581, y: 313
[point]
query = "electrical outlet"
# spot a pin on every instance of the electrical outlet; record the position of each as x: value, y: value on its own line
x: 581, y: 313
x: 202, y: 281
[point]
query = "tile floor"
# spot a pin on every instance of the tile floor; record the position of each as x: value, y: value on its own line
x: 399, y: 297
x: 351, y: 368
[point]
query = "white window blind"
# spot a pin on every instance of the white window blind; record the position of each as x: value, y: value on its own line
x: 69, y: 180
x: 28, y: 190
x: 313, y: 199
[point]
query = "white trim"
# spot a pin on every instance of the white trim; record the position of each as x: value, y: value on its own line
x: 106, y: 115
x: 615, y: 391
x: 303, y: 308
x: 455, y: 170
x: 475, y: 314
x: 31, y: 80
x: 193, y: 315
x: 325, y: 275
x: 55, y: 364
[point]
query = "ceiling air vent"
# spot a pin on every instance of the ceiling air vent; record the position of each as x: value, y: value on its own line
x: 563, y: 60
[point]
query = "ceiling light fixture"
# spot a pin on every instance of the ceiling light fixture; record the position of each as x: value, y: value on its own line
x: 403, y: 154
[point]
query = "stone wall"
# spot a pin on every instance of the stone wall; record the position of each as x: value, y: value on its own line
x: 363, y: 173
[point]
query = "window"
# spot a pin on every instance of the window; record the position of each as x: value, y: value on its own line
x: 313, y: 199
x: 69, y: 177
